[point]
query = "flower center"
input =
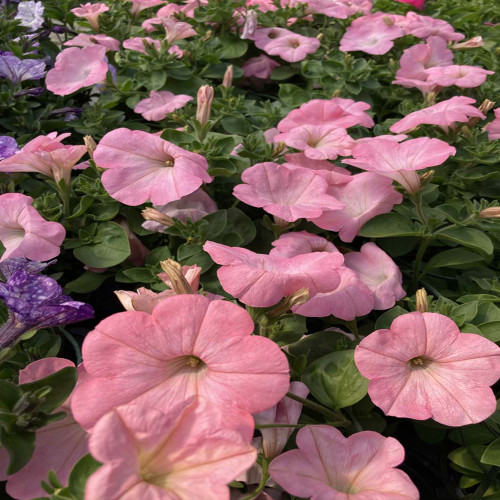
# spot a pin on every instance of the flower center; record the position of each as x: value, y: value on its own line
x: 419, y: 362
x: 169, y: 162
x: 295, y: 44
x: 194, y: 361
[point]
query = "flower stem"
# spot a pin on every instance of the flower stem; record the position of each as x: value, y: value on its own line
x: 418, y: 261
x: 264, y: 464
x: 338, y: 419
x: 74, y: 344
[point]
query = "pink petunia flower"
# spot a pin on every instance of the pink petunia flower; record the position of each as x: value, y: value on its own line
x: 263, y: 36
x: 86, y: 40
x: 419, y: 4
x: 139, y: 5
x: 338, y: 9
x: 465, y: 77
x: 473, y: 43
x: 46, y: 155
x: 493, y: 127
x: 25, y: 233
x: 59, y: 445
x: 301, y: 242
x: 262, y: 5
x: 174, y: 30
x: 425, y: 26
x: 293, y: 47
x: 423, y: 367
x: 77, y: 68
x: 259, y: 67
x: 91, y: 12
x: 287, y: 192
x: 139, y: 44
x: 399, y: 161
x: 160, y: 103
x: 329, y: 466
x: 287, y: 411
x: 379, y: 273
x: 319, y: 142
x: 336, y: 112
x: 142, y: 166
x: 193, y: 451
x: 261, y: 280
x: 365, y: 196
x: 188, y: 346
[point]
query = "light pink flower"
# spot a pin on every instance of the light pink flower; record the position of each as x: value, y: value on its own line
x: 193, y: 206
x: 264, y: 36
x: 169, y: 10
x: 187, y: 346
x: 301, y: 242
x: 261, y: 280
x: 142, y: 166
x: 91, y: 12
x: 338, y: 9
x: 493, y: 127
x: 287, y: 411
x: 174, y: 30
x: 328, y: 466
x: 365, y: 196
x: 160, y: 103
x: 262, y: 5
x: 59, y: 445
x: 425, y: 26
x: 139, y: 44
x: 388, y: 137
x: 337, y: 112
x: 46, y: 155
x: 319, y: 142
x: 445, y: 114
x: 465, y: 77
x: 352, y: 298
x: 193, y: 451
x: 77, y: 68
x: 25, y: 233
x: 259, y: 67
x: 138, y: 5
x: 287, y: 192
x: 423, y: 367
x: 399, y: 161
x: 330, y: 172
x: 86, y: 40
x: 379, y: 273
x: 293, y: 47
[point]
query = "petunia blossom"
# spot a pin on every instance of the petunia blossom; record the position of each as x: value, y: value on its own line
x: 379, y: 273
x: 30, y: 14
x: 24, y: 232
x: 193, y: 451
x: 86, y: 40
x: 8, y: 147
x: 160, y: 103
x: 399, y: 161
x: 259, y: 67
x: 261, y: 280
x: 300, y: 242
x: 141, y: 166
x: 139, y: 44
x: 77, y: 68
x: 91, y: 12
x: 193, y: 347
x: 328, y: 466
x: 18, y: 70
x: 287, y: 192
x: 264, y: 36
x: 423, y: 367
x: 493, y: 127
x: 426, y: 26
x: 444, y: 113
x: 465, y: 77
x: 59, y: 445
x: 293, y: 47
x: 139, y: 5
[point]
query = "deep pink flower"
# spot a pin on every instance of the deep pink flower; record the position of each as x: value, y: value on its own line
x: 142, y: 166
x: 328, y: 466
x: 465, y: 77
x: 445, y: 114
x: 399, y: 161
x: 423, y: 367
x: 25, y: 233
x: 493, y: 127
x: 379, y: 273
x: 76, y: 68
x: 419, y: 4
x: 193, y: 451
x: 301, y: 242
x: 86, y: 40
x: 139, y: 44
x: 59, y: 445
x: 293, y: 47
x: 287, y: 192
x: 425, y: 26
x: 160, y: 103
x: 187, y: 346
x: 365, y: 196
x: 261, y: 280
x: 259, y: 67
x: 91, y: 12
x: 337, y: 112
x: 46, y: 155
x: 287, y: 411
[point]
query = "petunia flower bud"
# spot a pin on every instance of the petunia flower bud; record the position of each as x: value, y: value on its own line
x: 422, y: 303
x: 156, y: 216
x: 473, y: 43
x: 426, y: 177
x: 90, y: 144
x: 250, y: 24
x: 174, y: 271
x: 295, y: 299
x: 490, y: 213
x: 204, y: 102
x: 228, y: 77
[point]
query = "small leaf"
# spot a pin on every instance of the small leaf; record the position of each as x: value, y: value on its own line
x: 468, y: 237
x: 386, y: 225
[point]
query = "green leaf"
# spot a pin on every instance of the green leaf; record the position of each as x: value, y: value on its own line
x: 83, y: 469
x: 239, y: 224
x: 319, y: 344
x: 232, y: 48
x: 288, y: 329
x: 157, y: 80
x: 464, y: 313
x: 139, y: 275
x: 87, y: 282
x: 20, y: 447
x: 462, y: 457
x: 233, y: 125
x: 468, y: 237
x: 283, y: 73
x: 386, y: 225
x: 385, y: 321
x: 111, y: 247
x: 189, y: 254
x: 492, y: 453
x: 490, y: 330
x: 157, y: 255
x: 456, y: 258
x: 177, y: 136
x: 335, y: 380
x: 10, y: 394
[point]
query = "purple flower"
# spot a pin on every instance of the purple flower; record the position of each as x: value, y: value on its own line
x: 34, y: 301
x: 8, y: 147
x: 30, y: 14
x: 17, y: 70
x: 35, y: 91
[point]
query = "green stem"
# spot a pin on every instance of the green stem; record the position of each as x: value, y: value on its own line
x: 74, y: 344
x: 353, y: 326
x: 418, y: 261
x: 265, y: 476
x: 338, y: 419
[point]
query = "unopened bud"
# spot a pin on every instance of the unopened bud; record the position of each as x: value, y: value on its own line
x: 228, y: 77
x: 486, y: 106
x: 156, y: 216
x: 422, y: 303
x: 336, y: 93
x: 490, y: 213
x: 125, y: 298
x: 279, y: 147
x: 90, y: 144
x: 204, y: 103
x: 179, y: 283
x: 250, y: 24
x: 207, y: 36
x: 295, y: 299
x: 473, y: 43
x: 426, y: 177
x: 430, y: 98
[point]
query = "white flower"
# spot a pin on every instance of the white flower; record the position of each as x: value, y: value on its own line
x: 30, y: 14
